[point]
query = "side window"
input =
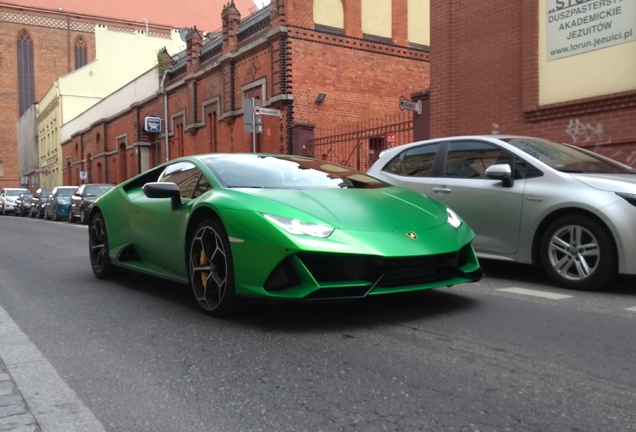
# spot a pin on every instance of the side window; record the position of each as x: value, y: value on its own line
x: 469, y: 159
x: 185, y: 175
x: 414, y: 162
x: 202, y: 187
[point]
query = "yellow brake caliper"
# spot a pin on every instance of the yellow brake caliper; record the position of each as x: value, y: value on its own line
x: 204, y: 275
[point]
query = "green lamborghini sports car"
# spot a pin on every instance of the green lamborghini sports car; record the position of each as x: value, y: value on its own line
x: 277, y: 226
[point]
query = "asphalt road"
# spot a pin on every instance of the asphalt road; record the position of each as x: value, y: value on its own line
x: 139, y: 356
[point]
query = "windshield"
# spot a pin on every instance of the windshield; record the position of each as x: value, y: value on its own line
x: 96, y: 190
x: 14, y: 192
x: 566, y: 158
x: 66, y: 191
x: 286, y: 172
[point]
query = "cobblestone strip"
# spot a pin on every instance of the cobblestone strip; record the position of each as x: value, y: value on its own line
x: 14, y: 412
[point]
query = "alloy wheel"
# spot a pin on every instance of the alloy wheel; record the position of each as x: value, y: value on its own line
x: 574, y: 252
x: 208, y: 268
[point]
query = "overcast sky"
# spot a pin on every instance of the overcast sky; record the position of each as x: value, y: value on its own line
x: 261, y: 3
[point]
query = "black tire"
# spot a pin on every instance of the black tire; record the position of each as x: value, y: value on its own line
x: 212, y: 270
x: 578, y: 252
x: 55, y: 217
x: 15, y: 212
x: 101, y: 264
x: 70, y: 216
x: 31, y: 214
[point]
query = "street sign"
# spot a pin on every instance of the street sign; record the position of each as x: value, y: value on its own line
x: 391, y: 137
x: 260, y: 111
x: 249, y: 117
x: 249, y: 128
x: 152, y: 124
x: 411, y: 106
x: 83, y: 175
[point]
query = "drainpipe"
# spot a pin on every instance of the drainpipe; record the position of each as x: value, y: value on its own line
x: 165, y: 113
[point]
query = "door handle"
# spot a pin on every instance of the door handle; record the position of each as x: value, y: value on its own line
x: 441, y: 189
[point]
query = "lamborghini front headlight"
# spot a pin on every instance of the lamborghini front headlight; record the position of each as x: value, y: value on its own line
x: 295, y: 226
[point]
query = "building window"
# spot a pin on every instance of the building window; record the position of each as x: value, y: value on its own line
x: 80, y: 53
x: 26, y: 79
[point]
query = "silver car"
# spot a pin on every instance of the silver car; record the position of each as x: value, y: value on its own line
x: 8, y: 197
x: 529, y: 200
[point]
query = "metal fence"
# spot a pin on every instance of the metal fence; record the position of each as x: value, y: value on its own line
x: 359, y: 145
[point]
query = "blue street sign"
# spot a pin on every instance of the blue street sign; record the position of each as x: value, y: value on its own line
x: 152, y: 124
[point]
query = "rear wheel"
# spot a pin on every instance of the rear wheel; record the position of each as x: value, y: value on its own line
x: 211, y: 269
x: 577, y: 252
x: 98, y: 248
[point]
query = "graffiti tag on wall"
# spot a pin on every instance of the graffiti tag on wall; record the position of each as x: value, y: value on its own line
x: 584, y: 133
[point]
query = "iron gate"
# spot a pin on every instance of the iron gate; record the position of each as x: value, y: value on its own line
x: 359, y: 145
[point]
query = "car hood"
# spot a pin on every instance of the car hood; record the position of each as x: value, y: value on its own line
x: 625, y: 183
x: 383, y: 209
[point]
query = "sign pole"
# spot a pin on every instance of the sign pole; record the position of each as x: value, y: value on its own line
x: 253, y: 127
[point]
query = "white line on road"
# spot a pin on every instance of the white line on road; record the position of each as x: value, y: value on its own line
x: 53, y: 403
x: 631, y: 309
x: 544, y: 294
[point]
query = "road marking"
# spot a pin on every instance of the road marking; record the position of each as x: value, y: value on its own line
x: 544, y: 294
x: 631, y: 309
x: 53, y: 403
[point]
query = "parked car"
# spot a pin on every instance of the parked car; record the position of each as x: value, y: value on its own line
x: 8, y: 197
x: 83, y: 198
x: 59, y: 202
x: 529, y: 200
x: 38, y: 203
x: 278, y: 227
x: 23, y: 204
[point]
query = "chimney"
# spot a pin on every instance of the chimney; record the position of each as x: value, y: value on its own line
x: 194, y: 42
x: 231, y: 19
x: 277, y: 12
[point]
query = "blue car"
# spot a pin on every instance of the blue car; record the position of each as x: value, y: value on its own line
x: 59, y: 201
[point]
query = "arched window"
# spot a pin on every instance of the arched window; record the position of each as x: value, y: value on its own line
x: 329, y: 13
x: 123, y: 168
x: 377, y: 18
x: 212, y: 132
x: 98, y: 175
x: 81, y: 57
x: 89, y: 168
x: 26, y: 78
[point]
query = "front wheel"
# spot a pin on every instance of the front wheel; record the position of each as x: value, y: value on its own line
x: 98, y: 248
x: 577, y: 252
x: 211, y: 269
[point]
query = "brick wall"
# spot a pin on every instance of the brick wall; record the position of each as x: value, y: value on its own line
x: 362, y: 79
x: 484, y: 78
x: 51, y: 59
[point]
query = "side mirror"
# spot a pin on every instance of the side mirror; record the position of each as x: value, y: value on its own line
x: 164, y: 190
x: 501, y: 172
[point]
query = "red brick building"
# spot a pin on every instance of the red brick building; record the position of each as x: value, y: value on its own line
x: 279, y: 55
x: 494, y: 70
x: 40, y: 42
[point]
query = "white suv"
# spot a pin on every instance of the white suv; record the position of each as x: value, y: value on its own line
x: 8, y: 197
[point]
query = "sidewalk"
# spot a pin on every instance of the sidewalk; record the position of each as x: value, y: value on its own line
x: 14, y: 412
x: 33, y: 396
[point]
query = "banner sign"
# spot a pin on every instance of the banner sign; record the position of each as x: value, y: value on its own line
x: 578, y: 26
